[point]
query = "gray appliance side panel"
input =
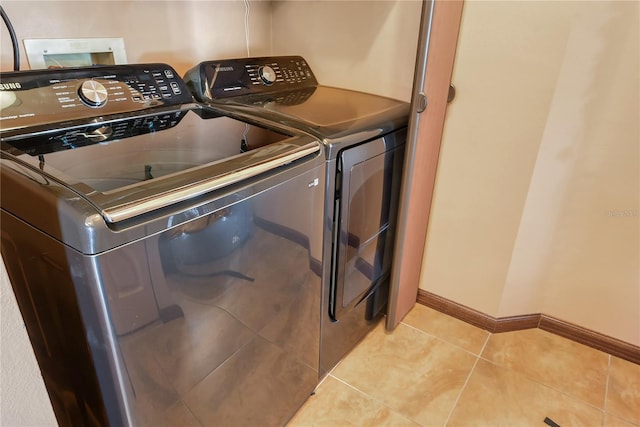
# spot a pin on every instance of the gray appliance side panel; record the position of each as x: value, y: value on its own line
x: 52, y: 285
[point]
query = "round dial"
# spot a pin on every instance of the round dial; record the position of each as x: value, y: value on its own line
x: 267, y: 75
x: 93, y: 93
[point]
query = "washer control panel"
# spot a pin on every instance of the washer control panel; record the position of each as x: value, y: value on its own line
x: 92, y: 133
x: 45, y: 97
x: 211, y: 80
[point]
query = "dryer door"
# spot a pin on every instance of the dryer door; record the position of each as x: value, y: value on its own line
x: 369, y: 179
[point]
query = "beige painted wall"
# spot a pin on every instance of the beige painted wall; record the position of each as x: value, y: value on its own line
x: 536, y: 206
x: 362, y: 45
x: 181, y: 33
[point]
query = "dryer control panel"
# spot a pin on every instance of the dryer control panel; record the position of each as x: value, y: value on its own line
x: 47, y: 97
x: 211, y: 80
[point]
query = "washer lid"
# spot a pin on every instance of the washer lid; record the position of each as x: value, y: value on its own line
x: 328, y: 112
x: 131, y: 166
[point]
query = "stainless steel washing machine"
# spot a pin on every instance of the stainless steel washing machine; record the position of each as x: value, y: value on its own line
x: 166, y: 259
x: 364, y: 137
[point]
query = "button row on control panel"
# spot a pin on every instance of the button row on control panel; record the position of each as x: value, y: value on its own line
x: 296, y: 75
x: 296, y: 72
x: 144, y: 90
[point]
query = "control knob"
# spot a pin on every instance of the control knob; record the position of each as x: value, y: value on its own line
x: 267, y: 75
x: 93, y: 93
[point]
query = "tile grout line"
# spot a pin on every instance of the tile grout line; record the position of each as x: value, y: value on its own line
x: 543, y: 383
x: 448, y: 342
x: 322, y: 381
x: 486, y: 341
x: 373, y: 398
x: 381, y: 402
x: 606, y: 392
x: 569, y: 394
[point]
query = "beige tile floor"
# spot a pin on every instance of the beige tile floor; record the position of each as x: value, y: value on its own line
x: 434, y: 370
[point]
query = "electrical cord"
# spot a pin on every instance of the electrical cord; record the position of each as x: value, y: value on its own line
x: 247, y: 10
x: 14, y: 40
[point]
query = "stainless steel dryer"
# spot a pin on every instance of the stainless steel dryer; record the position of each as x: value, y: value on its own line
x: 166, y: 260
x: 364, y: 137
